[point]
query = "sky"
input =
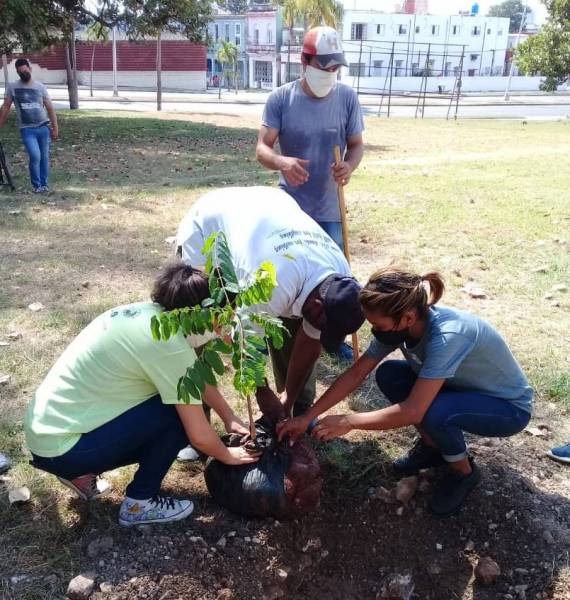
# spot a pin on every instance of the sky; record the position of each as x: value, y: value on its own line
x: 444, y: 7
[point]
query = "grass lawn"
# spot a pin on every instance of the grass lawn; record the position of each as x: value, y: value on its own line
x: 484, y: 202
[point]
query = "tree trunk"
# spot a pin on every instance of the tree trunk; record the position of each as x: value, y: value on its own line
x: 220, y: 83
x: 91, y: 76
x: 5, y: 68
x: 71, y: 71
x: 159, y: 72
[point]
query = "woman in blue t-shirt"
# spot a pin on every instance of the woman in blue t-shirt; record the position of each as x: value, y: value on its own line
x: 458, y: 375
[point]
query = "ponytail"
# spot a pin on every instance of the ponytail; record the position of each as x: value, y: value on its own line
x: 394, y: 292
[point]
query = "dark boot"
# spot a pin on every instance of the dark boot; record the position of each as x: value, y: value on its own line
x: 452, y: 491
x: 421, y: 456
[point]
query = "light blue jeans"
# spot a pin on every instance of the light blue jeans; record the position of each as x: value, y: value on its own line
x: 334, y: 229
x: 37, y: 142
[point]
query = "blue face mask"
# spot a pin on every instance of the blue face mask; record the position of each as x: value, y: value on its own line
x: 392, y: 337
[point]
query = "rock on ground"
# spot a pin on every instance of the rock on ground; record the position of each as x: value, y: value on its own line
x: 487, y: 571
x: 81, y: 587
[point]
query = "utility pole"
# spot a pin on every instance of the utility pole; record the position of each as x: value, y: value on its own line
x: 512, y: 67
x: 115, y: 89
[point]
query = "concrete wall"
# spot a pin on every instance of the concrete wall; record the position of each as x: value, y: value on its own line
x: 47, y: 76
x: 180, y: 80
x: 469, y: 84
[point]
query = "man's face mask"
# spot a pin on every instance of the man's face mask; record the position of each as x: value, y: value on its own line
x: 197, y: 340
x: 320, y: 82
x: 25, y: 76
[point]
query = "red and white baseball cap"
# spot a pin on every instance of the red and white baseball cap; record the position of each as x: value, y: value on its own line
x: 324, y: 43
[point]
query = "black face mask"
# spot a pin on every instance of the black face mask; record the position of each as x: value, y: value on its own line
x: 25, y: 76
x: 392, y: 338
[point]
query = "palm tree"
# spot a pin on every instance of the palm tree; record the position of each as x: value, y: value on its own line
x: 95, y: 33
x: 227, y: 54
x: 291, y: 14
x: 313, y: 12
x: 321, y: 12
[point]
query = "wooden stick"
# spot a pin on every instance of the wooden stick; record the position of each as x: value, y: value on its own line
x: 252, y: 431
x: 344, y: 226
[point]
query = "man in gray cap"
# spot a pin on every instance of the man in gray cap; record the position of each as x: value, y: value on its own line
x: 316, y: 295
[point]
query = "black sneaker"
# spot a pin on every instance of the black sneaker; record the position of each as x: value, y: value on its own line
x: 450, y: 494
x: 421, y: 456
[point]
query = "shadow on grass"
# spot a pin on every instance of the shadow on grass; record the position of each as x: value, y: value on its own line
x: 113, y: 153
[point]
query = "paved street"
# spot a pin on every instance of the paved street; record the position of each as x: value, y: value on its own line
x: 250, y: 103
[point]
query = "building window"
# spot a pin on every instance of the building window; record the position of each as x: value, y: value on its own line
x: 269, y: 35
x: 399, y: 67
x: 256, y: 37
x: 471, y: 72
x: 378, y: 66
x: 416, y: 72
x: 227, y: 32
x: 381, y: 29
x: 237, y: 31
x: 500, y: 32
x: 417, y: 28
x: 358, y: 31
x: 474, y: 56
x: 356, y: 69
x: 456, y: 71
x: 435, y: 29
x: 402, y: 29
x: 489, y: 31
x: 455, y: 30
x: 447, y: 70
x: 263, y: 72
x: 216, y: 32
x: 476, y: 30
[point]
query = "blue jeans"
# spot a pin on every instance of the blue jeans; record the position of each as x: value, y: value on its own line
x: 334, y: 229
x: 37, y: 142
x: 452, y: 412
x: 150, y: 435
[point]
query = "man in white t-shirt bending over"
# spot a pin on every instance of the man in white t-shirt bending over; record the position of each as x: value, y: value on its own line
x: 316, y: 295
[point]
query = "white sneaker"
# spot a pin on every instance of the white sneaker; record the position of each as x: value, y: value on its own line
x: 160, y: 509
x: 188, y: 454
x: 87, y: 487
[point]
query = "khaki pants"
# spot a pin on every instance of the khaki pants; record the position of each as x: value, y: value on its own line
x: 280, y: 361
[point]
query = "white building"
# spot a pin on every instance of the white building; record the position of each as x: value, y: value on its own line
x: 378, y: 44
x: 263, y: 40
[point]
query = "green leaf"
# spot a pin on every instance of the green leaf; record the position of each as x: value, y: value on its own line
x: 205, y: 371
x: 155, y: 328
x: 164, y: 325
x: 218, y: 345
x: 214, y: 360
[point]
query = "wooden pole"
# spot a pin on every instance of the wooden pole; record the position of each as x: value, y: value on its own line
x: 344, y: 226
x: 252, y: 431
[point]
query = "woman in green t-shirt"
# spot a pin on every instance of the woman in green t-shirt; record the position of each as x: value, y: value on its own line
x: 111, y: 400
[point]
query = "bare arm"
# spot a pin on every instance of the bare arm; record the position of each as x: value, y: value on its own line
x: 306, y: 351
x: 5, y: 110
x: 215, y: 400
x: 52, y: 117
x: 294, y: 169
x: 352, y: 158
x: 343, y: 386
x: 409, y: 412
x: 203, y: 436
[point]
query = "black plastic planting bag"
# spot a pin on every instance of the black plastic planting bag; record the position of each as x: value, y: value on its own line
x: 285, y: 483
